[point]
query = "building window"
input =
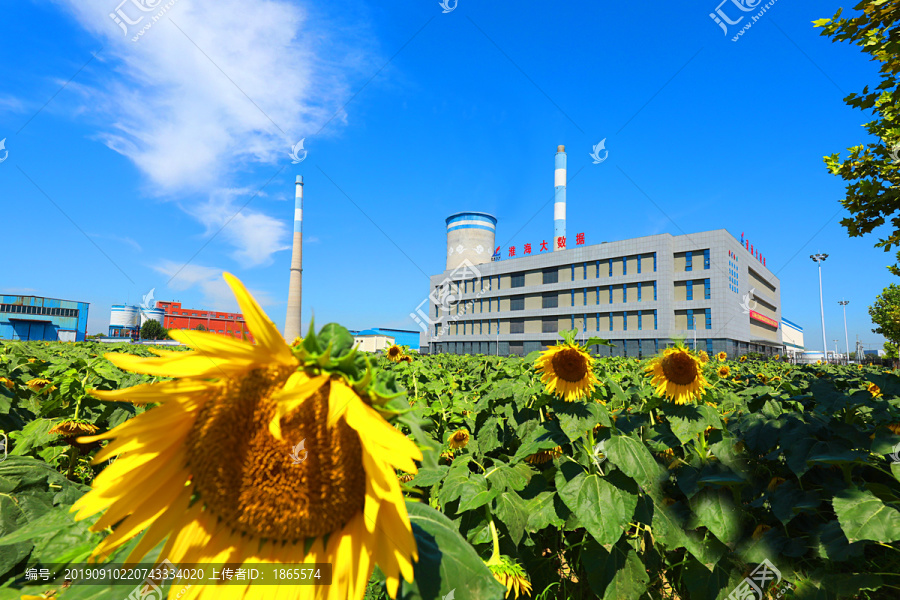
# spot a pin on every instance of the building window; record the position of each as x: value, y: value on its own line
x: 489, y: 326
x: 598, y: 269
x: 709, y: 348
x: 573, y: 322
x: 624, y: 292
x: 690, y: 319
x: 689, y: 290
x: 706, y: 290
x: 598, y: 321
x: 655, y: 323
x: 639, y: 263
x: 598, y: 296
x: 610, y: 321
x: 624, y: 265
x: 573, y: 272
x: 706, y: 258
x: 584, y: 300
x: 551, y: 276
x: 610, y: 273
x: 640, y: 325
x: 549, y: 325
x: 688, y: 261
x: 573, y: 299
x: 517, y: 303
x: 610, y: 294
x: 654, y: 291
x: 709, y: 319
x: 639, y: 286
x: 480, y: 327
x: 654, y: 262
x: 550, y: 300
x: 517, y: 280
x: 624, y: 321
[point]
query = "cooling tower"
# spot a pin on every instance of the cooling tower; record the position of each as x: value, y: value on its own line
x: 152, y: 314
x: 470, y: 236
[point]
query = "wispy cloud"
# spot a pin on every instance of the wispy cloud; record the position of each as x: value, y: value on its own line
x: 121, y: 239
x: 11, y: 104
x: 209, y: 281
x: 19, y: 291
x: 210, y: 86
x: 255, y: 236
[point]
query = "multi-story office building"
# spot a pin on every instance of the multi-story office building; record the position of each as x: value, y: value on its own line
x: 642, y: 294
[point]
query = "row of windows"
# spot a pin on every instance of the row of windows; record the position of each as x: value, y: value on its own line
x: 601, y: 322
x: 586, y: 270
x: 38, y: 310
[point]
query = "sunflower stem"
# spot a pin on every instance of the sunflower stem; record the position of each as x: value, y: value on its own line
x: 495, y: 556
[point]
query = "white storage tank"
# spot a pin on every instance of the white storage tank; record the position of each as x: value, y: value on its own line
x: 152, y: 314
x: 470, y: 239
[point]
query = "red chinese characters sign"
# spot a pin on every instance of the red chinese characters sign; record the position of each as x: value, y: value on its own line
x: 560, y: 243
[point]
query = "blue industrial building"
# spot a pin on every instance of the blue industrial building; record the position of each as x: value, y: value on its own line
x: 402, y: 337
x: 36, y: 318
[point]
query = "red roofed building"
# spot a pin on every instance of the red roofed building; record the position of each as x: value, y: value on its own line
x: 224, y: 323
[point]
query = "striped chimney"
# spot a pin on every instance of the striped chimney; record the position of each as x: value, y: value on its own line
x: 292, y: 321
x: 559, y: 200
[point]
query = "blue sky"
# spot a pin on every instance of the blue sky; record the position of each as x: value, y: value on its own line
x: 161, y: 162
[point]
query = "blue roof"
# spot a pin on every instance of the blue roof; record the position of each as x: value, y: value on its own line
x: 794, y: 325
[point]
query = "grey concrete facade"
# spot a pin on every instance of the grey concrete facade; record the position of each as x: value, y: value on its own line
x: 632, y: 292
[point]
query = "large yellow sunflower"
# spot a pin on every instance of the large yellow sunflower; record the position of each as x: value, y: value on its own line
x: 460, y: 439
x: 567, y: 370
x: 722, y: 356
x: 724, y: 371
x: 215, y: 467
x: 677, y: 375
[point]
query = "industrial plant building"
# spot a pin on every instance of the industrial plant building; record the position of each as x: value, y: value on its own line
x: 126, y: 320
x: 37, y: 318
x: 401, y: 337
x: 707, y: 289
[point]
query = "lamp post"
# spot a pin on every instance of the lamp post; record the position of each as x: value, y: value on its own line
x: 819, y: 259
x: 844, y: 304
x: 836, y: 359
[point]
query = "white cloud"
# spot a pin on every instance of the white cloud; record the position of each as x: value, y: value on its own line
x: 216, y: 293
x: 210, y: 86
x: 255, y: 236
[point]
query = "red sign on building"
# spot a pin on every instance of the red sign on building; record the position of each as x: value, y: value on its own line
x: 763, y: 319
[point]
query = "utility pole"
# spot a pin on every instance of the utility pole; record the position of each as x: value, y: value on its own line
x: 819, y: 259
x: 836, y: 359
x: 844, y: 304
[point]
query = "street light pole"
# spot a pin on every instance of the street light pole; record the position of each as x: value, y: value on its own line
x: 844, y: 304
x: 819, y: 259
x: 836, y: 352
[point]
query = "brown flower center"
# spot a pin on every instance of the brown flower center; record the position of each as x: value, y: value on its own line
x: 270, y: 488
x: 679, y: 368
x: 570, y: 365
x: 393, y: 351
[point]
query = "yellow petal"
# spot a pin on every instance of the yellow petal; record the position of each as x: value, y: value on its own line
x: 292, y: 396
x: 264, y: 331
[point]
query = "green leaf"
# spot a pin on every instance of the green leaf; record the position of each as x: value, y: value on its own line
x: 510, y: 477
x: 542, y: 513
x: 715, y: 511
x: 511, y: 509
x: 446, y: 561
x: 429, y: 477
x: 864, y: 517
x: 634, y: 459
x: 630, y: 581
x: 602, y: 508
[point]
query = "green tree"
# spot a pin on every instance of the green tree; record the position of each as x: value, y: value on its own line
x: 890, y: 350
x: 885, y: 313
x: 200, y: 327
x: 872, y: 169
x: 153, y: 330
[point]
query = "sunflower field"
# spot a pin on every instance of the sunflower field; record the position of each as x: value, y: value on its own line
x: 557, y: 475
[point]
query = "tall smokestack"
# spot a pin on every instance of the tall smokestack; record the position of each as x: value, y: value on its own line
x: 292, y: 321
x: 559, y: 201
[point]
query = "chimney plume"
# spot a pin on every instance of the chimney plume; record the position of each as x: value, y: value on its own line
x: 559, y: 202
x: 292, y: 321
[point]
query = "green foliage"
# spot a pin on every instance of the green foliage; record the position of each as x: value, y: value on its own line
x: 200, y: 327
x: 872, y: 170
x: 890, y: 350
x: 885, y: 313
x: 153, y: 330
x: 637, y: 498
